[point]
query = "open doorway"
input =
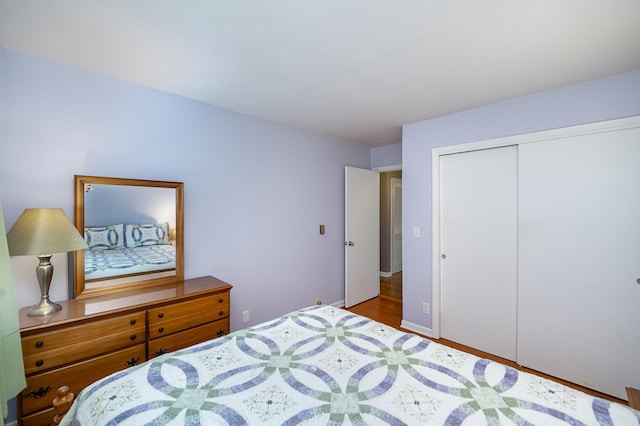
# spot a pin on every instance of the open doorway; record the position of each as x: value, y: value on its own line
x: 391, y: 235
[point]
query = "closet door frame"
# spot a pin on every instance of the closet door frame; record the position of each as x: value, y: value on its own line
x: 583, y: 129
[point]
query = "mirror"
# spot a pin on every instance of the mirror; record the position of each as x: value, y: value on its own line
x: 134, y: 229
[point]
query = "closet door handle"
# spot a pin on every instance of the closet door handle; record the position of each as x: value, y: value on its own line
x: 349, y: 243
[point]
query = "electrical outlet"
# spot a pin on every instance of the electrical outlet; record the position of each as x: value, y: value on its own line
x: 245, y: 316
x: 425, y: 308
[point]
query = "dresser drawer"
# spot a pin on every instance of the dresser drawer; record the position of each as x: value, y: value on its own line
x: 41, y: 342
x: 214, y: 302
x: 41, y: 388
x: 91, y: 346
x: 43, y: 418
x: 165, y: 328
x: 187, y: 338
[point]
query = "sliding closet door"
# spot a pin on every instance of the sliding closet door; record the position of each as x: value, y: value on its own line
x: 478, y: 232
x: 579, y: 251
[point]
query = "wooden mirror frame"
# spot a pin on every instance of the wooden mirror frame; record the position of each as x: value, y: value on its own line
x: 79, y: 288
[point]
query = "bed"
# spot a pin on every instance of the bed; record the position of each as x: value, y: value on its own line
x: 325, y: 365
x: 111, y: 263
x: 126, y: 250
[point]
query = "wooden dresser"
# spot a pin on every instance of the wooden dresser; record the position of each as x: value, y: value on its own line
x: 91, y: 338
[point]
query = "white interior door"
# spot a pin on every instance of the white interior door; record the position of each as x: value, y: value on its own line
x: 579, y: 298
x: 396, y: 225
x: 478, y: 242
x: 362, y: 235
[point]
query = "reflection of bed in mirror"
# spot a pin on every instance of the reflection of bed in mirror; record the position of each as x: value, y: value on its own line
x: 133, y: 229
x: 126, y: 250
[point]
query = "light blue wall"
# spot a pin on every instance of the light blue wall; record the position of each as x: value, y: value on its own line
x: 388, y: 155
x: 255, y: 192
x: 608, y: 98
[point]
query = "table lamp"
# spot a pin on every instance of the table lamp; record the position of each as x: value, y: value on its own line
x: 42, y: 232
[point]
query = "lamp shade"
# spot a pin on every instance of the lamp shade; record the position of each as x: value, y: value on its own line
x: 43, y: 231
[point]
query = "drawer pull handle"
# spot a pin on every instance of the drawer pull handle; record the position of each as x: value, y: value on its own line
x: 220, y: 300
x: 161, y: 329
x: 133, y: 361
x: 40, y: 392
x: 133, y: 337
x: 39, y: 363
x: 221, y: 313
x: 221, y: 332
x: 132, y: 322
x: 161, y: 351
x: 160, y: 315
x: 39, y: 344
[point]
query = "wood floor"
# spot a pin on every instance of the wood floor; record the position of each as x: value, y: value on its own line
x: 388, y: 311
x: 391, y: 287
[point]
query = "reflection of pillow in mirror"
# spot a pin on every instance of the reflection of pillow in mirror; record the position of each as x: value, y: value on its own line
x: 146, y: 235
x: 104, y: 237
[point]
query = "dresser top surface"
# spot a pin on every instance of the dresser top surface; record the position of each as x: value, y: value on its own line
x: 98, y: 306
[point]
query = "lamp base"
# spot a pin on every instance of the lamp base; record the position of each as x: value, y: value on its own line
x: 45, y: 307
x: 44, y: 272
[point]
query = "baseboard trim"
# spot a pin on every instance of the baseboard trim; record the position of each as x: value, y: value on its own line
x: 385, y: 274
x: 13, y: 423
x: 338, y: 304
x: 416, y: 328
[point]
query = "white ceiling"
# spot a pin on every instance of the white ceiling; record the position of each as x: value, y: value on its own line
x: 353, y: 69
